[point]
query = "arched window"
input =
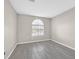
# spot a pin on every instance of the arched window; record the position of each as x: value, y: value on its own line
x: 37, y: 28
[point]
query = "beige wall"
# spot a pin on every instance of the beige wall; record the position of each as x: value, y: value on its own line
x: 25, y: 28
x: 10, y: 28
x: 63, y: 27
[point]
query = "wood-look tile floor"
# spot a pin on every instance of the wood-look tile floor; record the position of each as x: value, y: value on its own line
x: 42, y: 50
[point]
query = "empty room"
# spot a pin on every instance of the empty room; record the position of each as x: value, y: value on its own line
x: 39, y: 29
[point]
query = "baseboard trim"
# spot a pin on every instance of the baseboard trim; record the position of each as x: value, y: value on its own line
x: 11, y: 51
x: 64, y: 45
x: 37, y: 41
x: 23, y: 43
x: 32, y: 41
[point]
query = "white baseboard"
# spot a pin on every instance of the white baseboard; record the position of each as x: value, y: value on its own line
x: 32, y: 41
x: 23, y: 43
x: 64, y: 45
x: 11, y: 51
x: 36, y: 41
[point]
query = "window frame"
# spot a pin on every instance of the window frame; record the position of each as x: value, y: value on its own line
x: 40, y: 28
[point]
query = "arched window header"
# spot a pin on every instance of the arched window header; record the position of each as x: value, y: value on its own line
x: 37, y: 22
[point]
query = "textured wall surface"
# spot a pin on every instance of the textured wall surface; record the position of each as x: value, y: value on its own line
x: 63, y: 28
x: 9, y: 28
x: 25, y: 28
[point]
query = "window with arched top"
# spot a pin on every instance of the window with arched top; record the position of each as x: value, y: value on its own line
x: 37, y: 28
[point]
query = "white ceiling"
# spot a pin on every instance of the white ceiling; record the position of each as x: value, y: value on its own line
x: 42, y: 8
